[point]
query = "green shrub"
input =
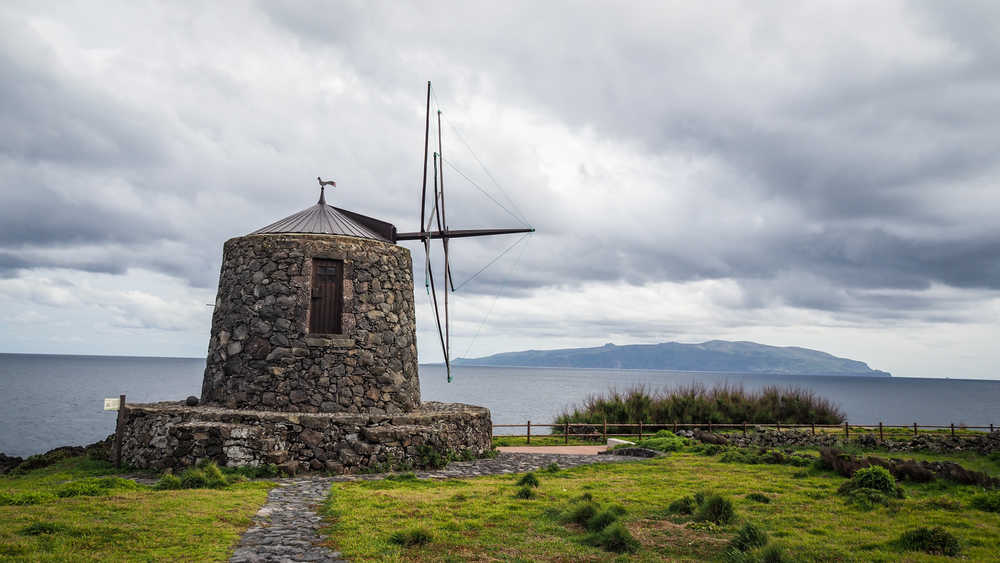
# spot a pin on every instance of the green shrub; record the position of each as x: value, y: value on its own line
x: 528, y: 480
x: 749, y: 537
x: 407, y: 476
x: 759, y: 497
x: 43, y: 528
x: 699, y: 498
x: 874, y: 477
x: 582, y: 512
x: 24, y: 499
x: 552, y: 468
x: 990, y: 502
x: 525, y: 493
x: 936, y: 541
x: 715, y: 509
x: 697, y: 403
x: 168, y: 481
x: 585, y: 497
x: 615, y: 538
x: 601, y: 520
x: 411, y: 537
x: 683, y: 505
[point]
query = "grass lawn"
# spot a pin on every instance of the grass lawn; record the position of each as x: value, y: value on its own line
x: 122, y: 521
x: 481, y: 520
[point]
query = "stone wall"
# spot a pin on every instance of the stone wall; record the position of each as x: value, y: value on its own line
x: 162, y: 435
x: 261, y: 355
x: 980, y: 442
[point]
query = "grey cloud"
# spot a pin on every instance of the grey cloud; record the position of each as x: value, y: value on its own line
x: 859, y: 150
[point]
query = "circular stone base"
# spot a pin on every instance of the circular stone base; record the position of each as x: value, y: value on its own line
x: 174, y: 435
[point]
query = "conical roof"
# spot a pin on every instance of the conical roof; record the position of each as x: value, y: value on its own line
x: 321, y: 219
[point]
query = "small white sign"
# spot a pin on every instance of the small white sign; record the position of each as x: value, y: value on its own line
x: 112, y: 404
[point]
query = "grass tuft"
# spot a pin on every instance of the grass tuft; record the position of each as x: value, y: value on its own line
x: 581, y: 513
x: 867, y: 499
x: 412, y: 537
x: 526, y: 493
x: 615, y: 538
x: 749, y: 537
x: 683, y: 505
x: 759, y: 497
x: 715, y: 509
x: 935, y: 541
x: 168, y: 481
x: 528, y: 480
x: 602, y: 520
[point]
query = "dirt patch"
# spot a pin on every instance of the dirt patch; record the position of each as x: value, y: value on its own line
x: 665, y: 536
x: 575, y: 450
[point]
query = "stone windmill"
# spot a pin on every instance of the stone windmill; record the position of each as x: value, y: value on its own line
x: 312, y: 359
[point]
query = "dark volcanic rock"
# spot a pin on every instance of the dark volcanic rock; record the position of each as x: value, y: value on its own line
x: 8, y: 462
x: 710, y: 438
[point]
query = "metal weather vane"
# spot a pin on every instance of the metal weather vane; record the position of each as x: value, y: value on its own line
x: 427, y: 231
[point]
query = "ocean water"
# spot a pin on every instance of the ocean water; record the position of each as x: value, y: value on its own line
x: 52, y: 401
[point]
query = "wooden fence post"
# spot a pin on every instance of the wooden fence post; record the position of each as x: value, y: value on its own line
x: 847, y: 431
x: 605, y: 429
x: 952, y: 429
x: 881, y: 438
x: 566, y: 433
x: 778, y: 425
x: 675, y: 427
x: 991, y: 428
x: 640, y: 430
x: 744, y: 428
x: 914, y: 428
x: 710, y: 426
x: 814, y: 428
x: 119, y: 430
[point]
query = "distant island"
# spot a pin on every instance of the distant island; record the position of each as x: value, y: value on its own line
x: 714, y: 355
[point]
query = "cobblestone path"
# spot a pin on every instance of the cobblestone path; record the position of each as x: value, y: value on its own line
x: 286, y: 528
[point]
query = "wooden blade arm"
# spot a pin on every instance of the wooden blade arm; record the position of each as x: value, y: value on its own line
x: 460, y: 233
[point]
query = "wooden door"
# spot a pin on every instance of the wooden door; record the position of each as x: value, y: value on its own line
x: 327, y: 296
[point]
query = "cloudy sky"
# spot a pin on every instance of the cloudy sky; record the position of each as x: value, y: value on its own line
x: 784, y: 172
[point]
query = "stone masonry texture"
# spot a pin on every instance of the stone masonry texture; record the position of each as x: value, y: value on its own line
x: 261, y: 355
x: 173, y: 435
